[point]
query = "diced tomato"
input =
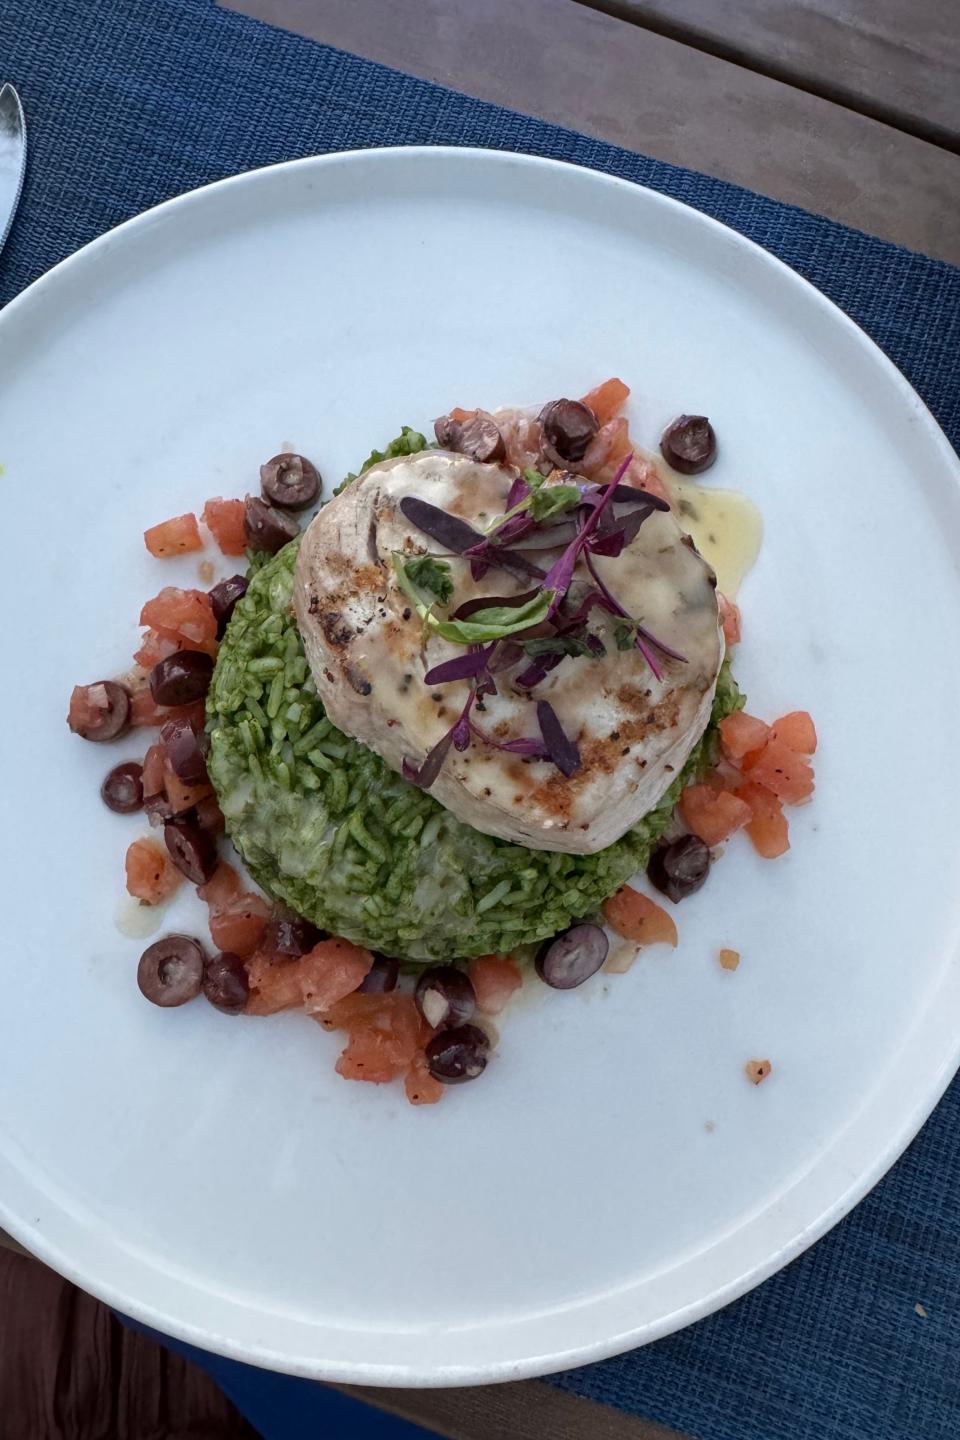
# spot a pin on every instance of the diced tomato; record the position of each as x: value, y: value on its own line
x: 156, y: 646
x: 368, y: 1056
x: 607, y: 399
x: 521, y: 436
x: 151, y: 874
x: 768, y: 828
x: 173, y: 537
x: 712, y: 814
x: 186, y: 613
x: 638, y: 918
x: 741, y: 733
x: 154, y: 771
x: 238, y: 917
x: 459, y: 414
x: 607, y: 448
x: 182, y: 796
x: 239, y: 926
x: 384, y: 1036
x: 421, y: 1087
x: 781, y: 770
x: 88, y: 705
x: 144, y: 710
x: 796, y: 730
x: 729, y: 619
x: 274, y: 983
x: 332, y: 970
x: 494, y: 978
x: 223, y: 886
x: 224, y: 520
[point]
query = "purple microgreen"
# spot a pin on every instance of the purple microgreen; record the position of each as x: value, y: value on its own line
x: 535, y: 749
x: 518, y: 492
x: 560, y: 574
x: 505, y: 654
x: 423, y: 776
x: 596, y: 646
x: 461, y: 667
x: 481, y: 558
x: 546, y: 537
x: 623, y: 532
x: 563, y: 751
x: 536, y: 671
x: 573, y: 619
x: 461, y: 732
x: 665, y: 649
x: 448, y: 530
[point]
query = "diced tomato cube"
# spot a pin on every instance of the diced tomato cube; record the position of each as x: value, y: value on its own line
x: 607, y: 399
x: 638, y: 918
x: 421, y: 1087
x: 712, y: 814
x: 144, y: 710
x: 154, y: 771
x: 741, y: 733
x: 156, y: 646
x: 384, y: 1035
x: 238, y: 917
x: 274, y: 984
x: 768, y: 828
x: 729, y: 619
x: 781, y: 770
x: 224, y: 520
x: 151, y: 874
x: 186, y: 613
x: 223, y: 886
x: 368, y: 1056
x: 173, y: 537
x: 184, y: 796
x: 798, y: 731
x: 239, y: 925
x: 607, y: 448
x: 494, y: 979
x: 332, y: 970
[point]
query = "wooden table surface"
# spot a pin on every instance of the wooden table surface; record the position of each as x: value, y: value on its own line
x: 850, y: 108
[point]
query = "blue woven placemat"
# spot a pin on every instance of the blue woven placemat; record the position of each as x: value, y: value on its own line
x: 131, y: 101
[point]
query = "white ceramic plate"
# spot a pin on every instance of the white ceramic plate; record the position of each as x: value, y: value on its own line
x: 613, y: 1176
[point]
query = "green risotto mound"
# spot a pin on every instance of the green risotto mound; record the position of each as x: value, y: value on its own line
x: 328, y: 829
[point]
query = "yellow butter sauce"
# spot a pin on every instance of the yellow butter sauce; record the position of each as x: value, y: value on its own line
x: 726, y: 527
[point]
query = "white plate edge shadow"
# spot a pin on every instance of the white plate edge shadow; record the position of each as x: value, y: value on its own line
x: 946, y: 1054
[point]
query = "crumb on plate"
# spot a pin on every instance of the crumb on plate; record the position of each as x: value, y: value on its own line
x: 729, y: 959
x: 757, y: 1070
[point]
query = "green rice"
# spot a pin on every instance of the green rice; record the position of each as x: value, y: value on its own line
x: 328, y: 829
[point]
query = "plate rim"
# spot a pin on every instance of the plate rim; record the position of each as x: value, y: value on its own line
x: 385, y: 1372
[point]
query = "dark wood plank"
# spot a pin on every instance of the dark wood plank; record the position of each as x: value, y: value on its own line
x: 70, y: 1371
x: 575, y: 66
x: 897, y: 60
x: 524, y: 1410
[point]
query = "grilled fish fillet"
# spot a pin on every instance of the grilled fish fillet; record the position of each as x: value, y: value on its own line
x: 368, y: 654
